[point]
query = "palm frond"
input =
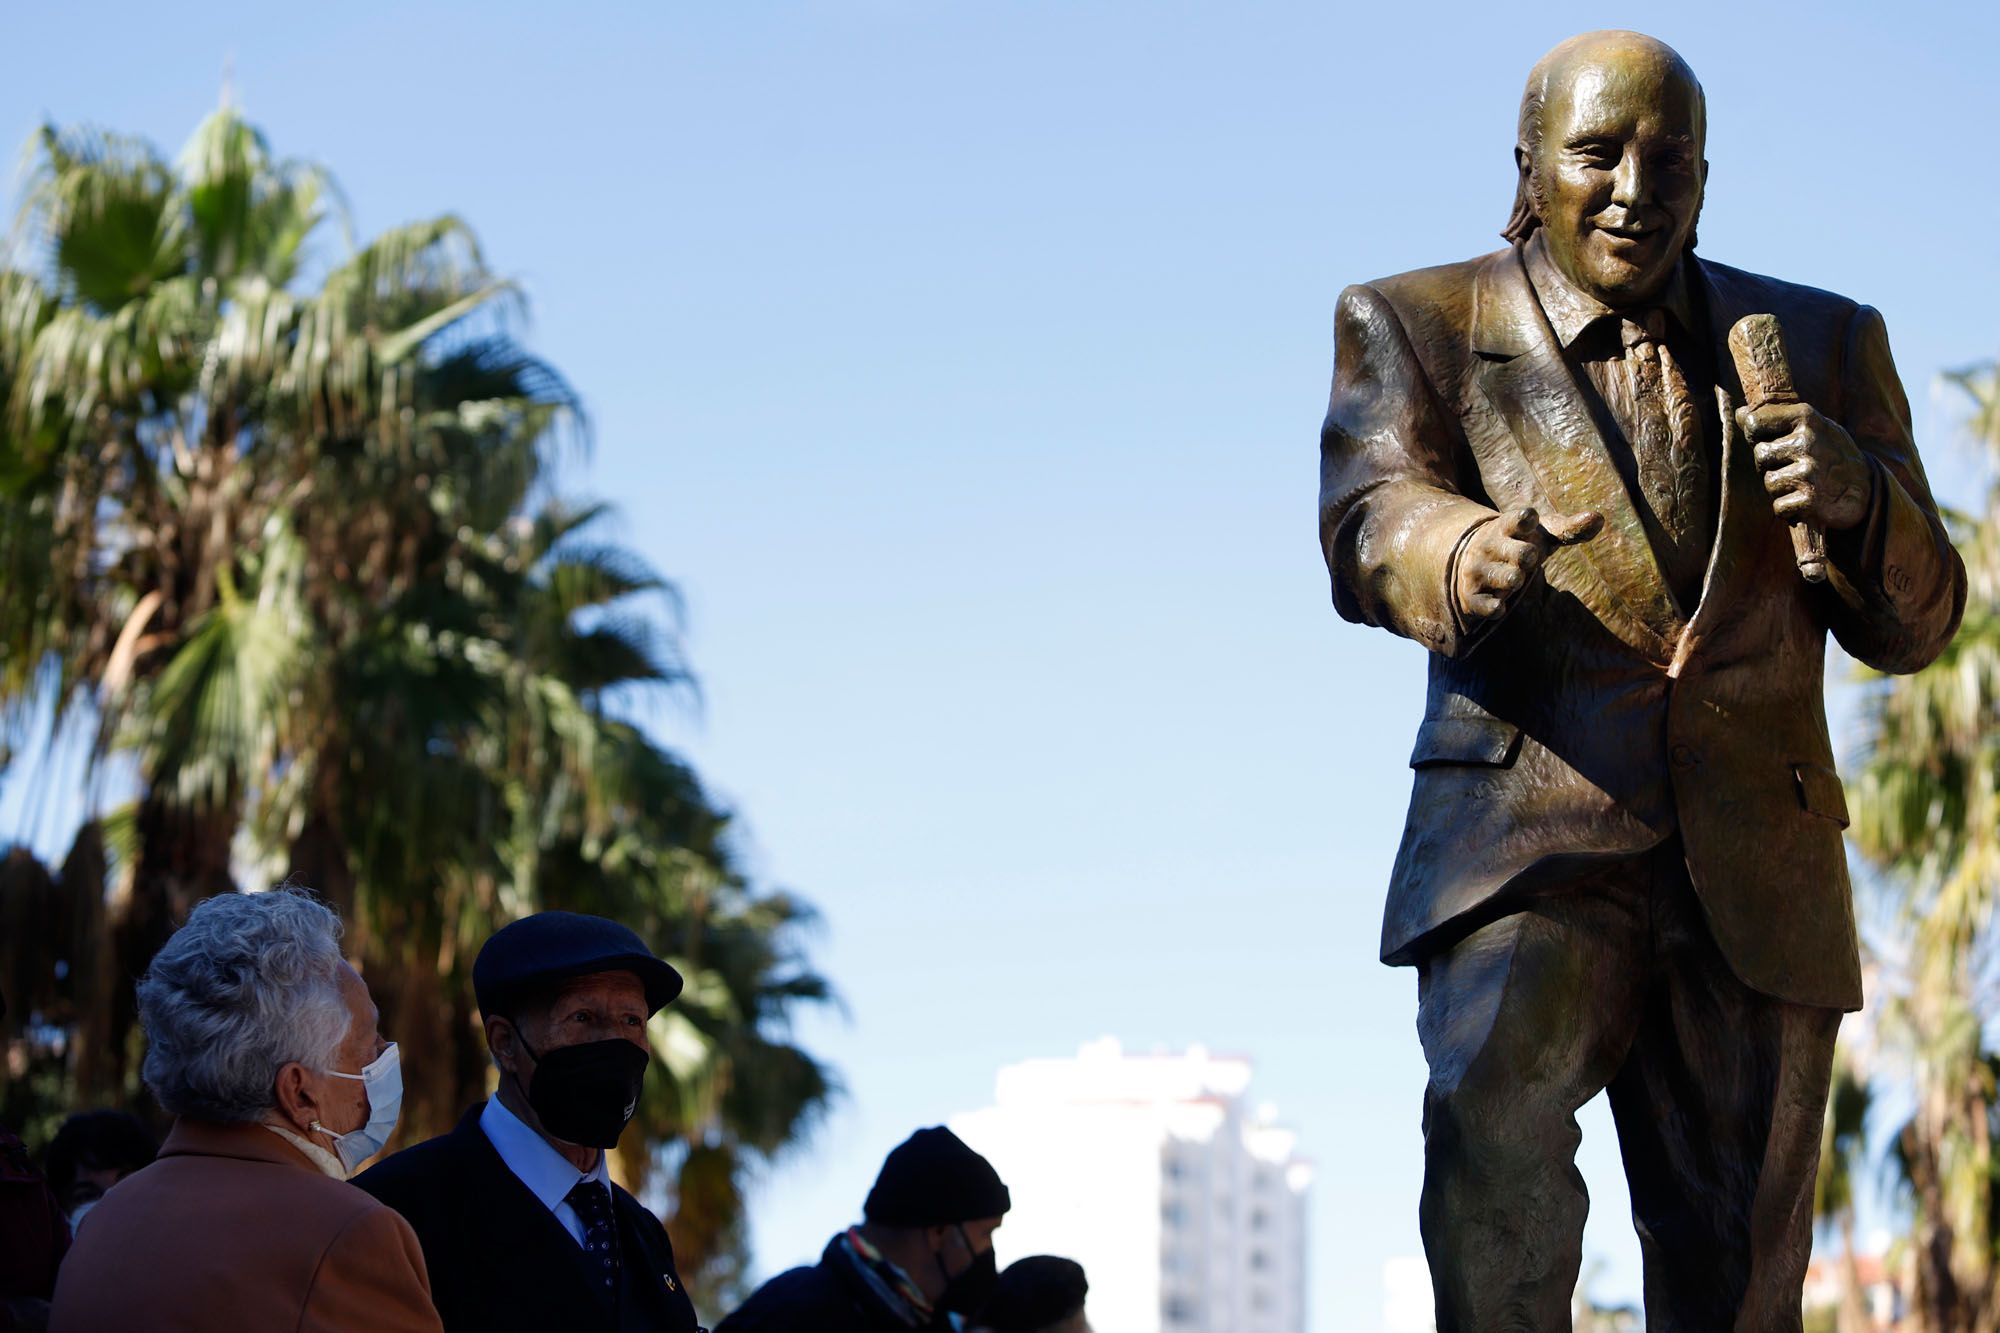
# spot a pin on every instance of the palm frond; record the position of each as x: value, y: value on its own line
x: 101, y: 208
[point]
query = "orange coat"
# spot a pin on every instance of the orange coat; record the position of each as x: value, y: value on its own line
x: 233, y: 1228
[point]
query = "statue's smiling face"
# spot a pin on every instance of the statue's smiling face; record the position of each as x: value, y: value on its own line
x: 1617, y: 175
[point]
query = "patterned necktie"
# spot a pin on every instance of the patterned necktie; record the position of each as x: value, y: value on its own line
x: 1659, y: 415
x: 592, y: 1202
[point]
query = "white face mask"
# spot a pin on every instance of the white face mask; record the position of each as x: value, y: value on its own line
x: 382, y: 1080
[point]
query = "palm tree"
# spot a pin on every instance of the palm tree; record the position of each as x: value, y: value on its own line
x: 280, y: 529
x: 173, y: 394
x: 1927, y: 815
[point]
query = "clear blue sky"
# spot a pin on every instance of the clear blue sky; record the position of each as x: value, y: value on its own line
x: 964, y: 362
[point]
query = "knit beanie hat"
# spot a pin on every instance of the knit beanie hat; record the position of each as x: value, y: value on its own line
x: 932, y: 1179
x: 1034, y: 1293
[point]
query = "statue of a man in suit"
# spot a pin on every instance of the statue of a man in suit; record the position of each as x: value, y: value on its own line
x: 1622, y: 866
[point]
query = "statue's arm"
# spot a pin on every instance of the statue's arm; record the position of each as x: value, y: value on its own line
x: 1898, y: 584
x: 1392, y: 517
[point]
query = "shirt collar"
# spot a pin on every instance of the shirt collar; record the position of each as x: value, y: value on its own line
x: 548, y: 1175
x: 1572, y: 310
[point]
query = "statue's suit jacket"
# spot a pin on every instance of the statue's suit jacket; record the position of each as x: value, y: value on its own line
x: 1598, y: 716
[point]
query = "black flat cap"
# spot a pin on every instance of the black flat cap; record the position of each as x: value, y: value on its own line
x: 931, y: 1179
x: 1034, y: 1293
x: 526, y: 955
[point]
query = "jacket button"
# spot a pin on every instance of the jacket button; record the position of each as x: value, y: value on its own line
x: 1685, y: 757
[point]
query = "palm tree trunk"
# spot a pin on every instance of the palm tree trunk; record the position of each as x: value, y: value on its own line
x: 1934, y: 1303
x: 92, y: 979
x: 183, y: 858
x: 318, y: 860
x: 445, y: 1066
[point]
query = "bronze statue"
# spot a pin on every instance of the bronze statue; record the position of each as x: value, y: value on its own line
x: 1622, y: 866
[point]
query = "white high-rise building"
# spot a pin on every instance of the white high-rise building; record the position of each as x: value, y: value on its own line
x: 1185, y: 1206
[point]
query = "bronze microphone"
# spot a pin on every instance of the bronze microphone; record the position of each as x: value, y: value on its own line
x: 1757, y: 344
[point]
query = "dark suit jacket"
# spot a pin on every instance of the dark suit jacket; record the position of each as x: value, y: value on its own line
x: 500, y: 1260
x: 233, y: 1228
x: 829, y: 1297
x: 1598, y: 716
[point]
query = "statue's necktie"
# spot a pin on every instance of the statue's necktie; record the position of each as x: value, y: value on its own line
x: 592, y: 1202
x: 1660, y: 421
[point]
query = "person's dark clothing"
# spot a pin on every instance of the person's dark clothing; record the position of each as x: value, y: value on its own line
x: 832, y: 1296
x: 33, y: 1235
x: 1617, y: 983
x: 500, y: 1260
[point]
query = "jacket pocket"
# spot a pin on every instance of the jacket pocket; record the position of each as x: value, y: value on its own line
x: 1820, y: 792
x: 1484, y: 741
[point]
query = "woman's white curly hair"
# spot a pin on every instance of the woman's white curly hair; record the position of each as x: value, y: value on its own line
x: 248, y: 985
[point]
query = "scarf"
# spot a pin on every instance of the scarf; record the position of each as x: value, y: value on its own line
x: 320, y: 1157
x: 889, y: 1284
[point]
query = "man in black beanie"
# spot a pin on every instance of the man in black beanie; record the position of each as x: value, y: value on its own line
x: 922, y: 1258
x: 1038, y: 1294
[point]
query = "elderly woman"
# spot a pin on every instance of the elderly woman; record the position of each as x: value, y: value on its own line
x: 262, y: 1042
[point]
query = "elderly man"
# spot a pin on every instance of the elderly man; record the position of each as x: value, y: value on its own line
x: 516, y: 1210
x: 262, y: 1042
x: 1622, y: 866
x: 922, y: 1257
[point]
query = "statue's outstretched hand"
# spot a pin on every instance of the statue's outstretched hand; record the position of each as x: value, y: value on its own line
x: 1503, y: 557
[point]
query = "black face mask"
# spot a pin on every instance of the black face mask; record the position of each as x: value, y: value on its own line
x: 587, y: 1093
x: 970, y: 1290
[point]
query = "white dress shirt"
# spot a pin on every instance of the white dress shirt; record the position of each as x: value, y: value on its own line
x: 548, y: 1175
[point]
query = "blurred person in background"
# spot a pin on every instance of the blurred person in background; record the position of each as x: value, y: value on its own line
x: 922, y: 1257
x: 262, y: 1043
x: 33, y: 1235
x: 1039, y: 1294
x: 520, y: 1221
x: 93, y: 1151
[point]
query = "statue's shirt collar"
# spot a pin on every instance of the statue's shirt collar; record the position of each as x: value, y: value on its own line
x: 1572, y: 311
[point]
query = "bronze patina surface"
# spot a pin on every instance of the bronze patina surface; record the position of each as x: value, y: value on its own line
x: 1622, y: 866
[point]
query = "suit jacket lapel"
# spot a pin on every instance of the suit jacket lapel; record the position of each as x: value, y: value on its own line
x: 1744, y: 523
x: 522, y: 1235
x: 1523, y: 374
x: 647, y: 1271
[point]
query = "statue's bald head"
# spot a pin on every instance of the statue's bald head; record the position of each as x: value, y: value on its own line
x: 1605, y: 115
